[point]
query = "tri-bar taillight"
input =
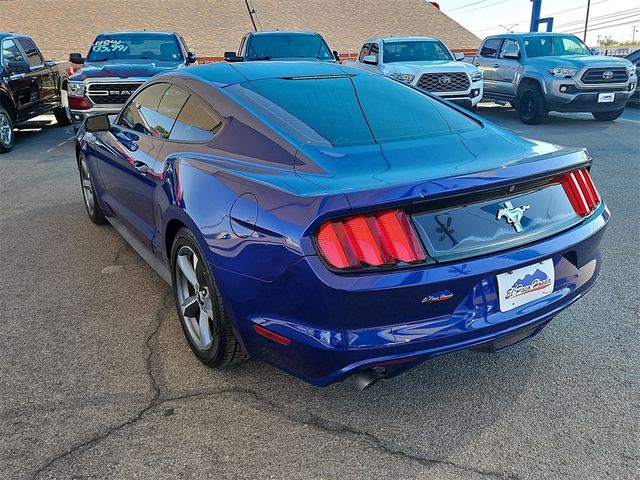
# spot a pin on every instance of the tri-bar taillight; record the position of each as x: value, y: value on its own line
x: 581, y: 191
x: 372, y: 240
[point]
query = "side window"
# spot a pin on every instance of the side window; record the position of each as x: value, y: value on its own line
x: 364, y: 52
x: 33, y: 56
x: 137, y: 115
x: 375, y: 50
x: 509, y: 46
x: 197, y: 122
x: 490, y: 47
x: 10, y: 53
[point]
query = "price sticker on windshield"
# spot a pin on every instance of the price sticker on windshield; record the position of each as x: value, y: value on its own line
x: 104, y: 46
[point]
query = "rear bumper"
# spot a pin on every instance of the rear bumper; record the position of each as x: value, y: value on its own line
x: 338, y: 324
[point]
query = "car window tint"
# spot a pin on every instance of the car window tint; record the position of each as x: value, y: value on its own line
x: 363, y: 109
x: 197, y: 122
x: 364, y: 51
x: 397, y: 112
x: 10, y: 53
x: 137, y: 114
x: 490, y: 47
x: 509, y: 45
x: 33, y: 56
x: 328, y: 105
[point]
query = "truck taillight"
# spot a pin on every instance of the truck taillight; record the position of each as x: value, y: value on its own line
x: 581, y: 191
x: 79, y: 103
x: 373, y: 240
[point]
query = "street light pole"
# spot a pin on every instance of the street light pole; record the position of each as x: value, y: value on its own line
x: 586, y: 21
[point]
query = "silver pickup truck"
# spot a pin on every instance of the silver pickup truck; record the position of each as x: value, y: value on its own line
x: 423, y: 62
x: 542, y: 72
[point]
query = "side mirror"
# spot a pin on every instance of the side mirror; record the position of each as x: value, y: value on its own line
x: 336, y: 55
x: 370, y: 59
x: 459, y: 56
x: 596, y: 51
x: 76, y: 58
x: 98, y: 123
x: 191, y: 58
x: 511, y: 52
x: 15, y: 68
x: 232, y: 57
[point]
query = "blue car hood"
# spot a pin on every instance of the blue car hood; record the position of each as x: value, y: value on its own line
x: 415, y: 169
x: 123, y: 70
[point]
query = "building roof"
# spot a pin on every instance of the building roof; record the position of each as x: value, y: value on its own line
x: 212, y: 27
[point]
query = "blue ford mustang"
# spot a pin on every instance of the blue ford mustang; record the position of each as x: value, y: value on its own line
x: 333, y: 222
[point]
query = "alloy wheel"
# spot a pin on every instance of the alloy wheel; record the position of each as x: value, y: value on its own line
x: 194, y: 297
x: 6, y: 130
x: 87, y: 187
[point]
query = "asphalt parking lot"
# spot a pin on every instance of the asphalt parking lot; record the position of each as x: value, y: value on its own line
x: 97, y: 381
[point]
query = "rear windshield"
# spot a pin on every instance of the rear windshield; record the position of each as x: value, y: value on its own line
x: 288, y: 45
x: 415, y: 51
x: 135, y: 46
x: 362, y: 109
x: 554, y: 46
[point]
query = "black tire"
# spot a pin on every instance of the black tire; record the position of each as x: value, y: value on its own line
x: 62, y: 116
x: 224, y: 349
x: 62, y: 113
x: 607, y: 116
x: 531, y: 106
x: 7, y: 134
x: 91, y: 203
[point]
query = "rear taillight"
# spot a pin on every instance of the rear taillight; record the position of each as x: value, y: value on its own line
x: 375, y: 240
x: 581, y: 191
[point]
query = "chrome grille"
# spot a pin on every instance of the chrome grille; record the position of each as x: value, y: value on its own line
x: 111, y: 93
x: 444, y: 82
x: 605, y: 75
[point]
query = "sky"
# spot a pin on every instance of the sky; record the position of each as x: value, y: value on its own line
x: 614, y: 18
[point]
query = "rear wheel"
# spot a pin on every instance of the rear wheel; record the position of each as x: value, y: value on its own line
x: 531, y: 105
x: 89, y: 194
x: 202, y: 314
x: 6, y: 131
x: 607, y: 116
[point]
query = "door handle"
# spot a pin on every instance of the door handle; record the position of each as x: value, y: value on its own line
x: 141, y: 166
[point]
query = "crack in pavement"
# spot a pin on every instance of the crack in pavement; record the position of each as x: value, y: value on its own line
x: 303, y: 417
x: 155, y: 398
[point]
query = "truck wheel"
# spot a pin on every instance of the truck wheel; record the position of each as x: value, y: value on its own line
x: 531, y: 107
x: 607, y: 116
x: 62, y: 114
x: 6, y: 131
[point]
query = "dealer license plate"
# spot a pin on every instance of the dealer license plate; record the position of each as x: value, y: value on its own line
x: 525, y: 285
x: 606, y: 97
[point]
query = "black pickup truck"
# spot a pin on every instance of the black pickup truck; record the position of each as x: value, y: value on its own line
x: 29, y: 86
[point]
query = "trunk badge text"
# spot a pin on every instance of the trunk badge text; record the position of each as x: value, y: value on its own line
x: 512, y: 214
x: 438, y: 297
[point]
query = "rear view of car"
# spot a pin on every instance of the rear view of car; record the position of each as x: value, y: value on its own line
x: 342, y: 222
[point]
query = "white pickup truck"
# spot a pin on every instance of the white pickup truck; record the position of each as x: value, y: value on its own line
x: 424, y: 62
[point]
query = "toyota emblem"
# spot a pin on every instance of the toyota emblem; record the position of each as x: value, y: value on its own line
x: 608, y: 75
x: 445, y: 80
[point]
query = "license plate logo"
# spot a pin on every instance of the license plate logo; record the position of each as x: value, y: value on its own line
x: 525, y: 285
x: 606, y: 97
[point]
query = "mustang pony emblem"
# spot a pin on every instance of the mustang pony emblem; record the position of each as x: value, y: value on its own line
x: 513, y: 215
